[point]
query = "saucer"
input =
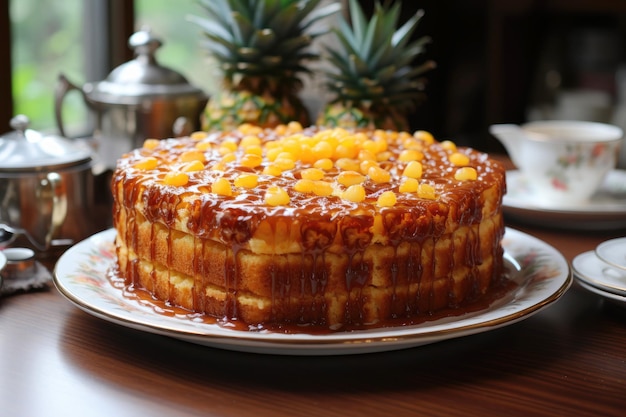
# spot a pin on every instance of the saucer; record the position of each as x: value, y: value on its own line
x: 593, y: 271
x: 613, y: 252
x: 615, y: 298
x: 3, y: 262
x: 605, y: 210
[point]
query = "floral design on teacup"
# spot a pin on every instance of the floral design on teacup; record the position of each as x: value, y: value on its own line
x: 576, y: 156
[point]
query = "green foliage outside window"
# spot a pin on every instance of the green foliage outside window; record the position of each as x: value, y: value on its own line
x: 46, y: 37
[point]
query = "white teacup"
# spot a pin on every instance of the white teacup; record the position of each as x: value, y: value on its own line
x: 563, y: 161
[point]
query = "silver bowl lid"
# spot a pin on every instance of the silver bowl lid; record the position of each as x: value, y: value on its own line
x: 25, y: 149
x: 141, y: 78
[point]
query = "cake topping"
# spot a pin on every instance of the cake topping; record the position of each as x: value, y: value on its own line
x: 291, y: 167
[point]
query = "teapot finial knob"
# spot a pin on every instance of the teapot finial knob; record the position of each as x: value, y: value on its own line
x: 20, y: 123
x: 144, y: 43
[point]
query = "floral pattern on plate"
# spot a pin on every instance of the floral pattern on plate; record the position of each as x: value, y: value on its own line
x: 541, y: 272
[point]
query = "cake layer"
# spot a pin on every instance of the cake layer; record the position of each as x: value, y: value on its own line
x: 381, y: 283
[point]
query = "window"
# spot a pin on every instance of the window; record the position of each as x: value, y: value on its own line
x: 181, y: 50
x: 83, y: 39
x: 44, y: 45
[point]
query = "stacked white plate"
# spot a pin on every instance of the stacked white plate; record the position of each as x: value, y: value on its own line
x: 603, y: 270
x: 3, y: 262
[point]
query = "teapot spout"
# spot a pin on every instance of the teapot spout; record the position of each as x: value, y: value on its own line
x: 511, y: 136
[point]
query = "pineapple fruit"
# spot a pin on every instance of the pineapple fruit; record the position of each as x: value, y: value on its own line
x: 261, y: 47
x: 371, y: 78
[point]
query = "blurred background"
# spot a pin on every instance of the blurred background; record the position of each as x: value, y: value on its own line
x: 497, y: 61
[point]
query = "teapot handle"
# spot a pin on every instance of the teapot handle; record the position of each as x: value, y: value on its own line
x: 59, y: 200
x: 64, y: 86
x: 54, y: 206
x: 52, y: 210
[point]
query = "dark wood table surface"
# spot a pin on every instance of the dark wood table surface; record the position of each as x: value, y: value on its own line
x: 567, y: 360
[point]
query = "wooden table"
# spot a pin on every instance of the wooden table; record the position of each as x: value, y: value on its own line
x: 567, y: 360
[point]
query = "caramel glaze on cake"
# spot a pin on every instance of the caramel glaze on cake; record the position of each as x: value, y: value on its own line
x: 318, y: 227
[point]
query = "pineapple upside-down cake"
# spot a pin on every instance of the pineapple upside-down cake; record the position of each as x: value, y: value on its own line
x: 323, y: 227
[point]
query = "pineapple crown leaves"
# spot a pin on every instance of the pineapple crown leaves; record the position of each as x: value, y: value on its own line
x: 372, y: 63
x: 262, y: 38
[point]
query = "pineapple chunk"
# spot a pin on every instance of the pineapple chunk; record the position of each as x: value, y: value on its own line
x: 276, y: 196
x: 176, y: 178
x: 386, y: 199
x: 354, y: 193
x: 222, y: 187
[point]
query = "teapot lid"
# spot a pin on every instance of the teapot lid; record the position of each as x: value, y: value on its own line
x: 141, y: 78
x: 29, y: 150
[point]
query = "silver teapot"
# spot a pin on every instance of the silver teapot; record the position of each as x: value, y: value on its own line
x: 46, y: 188
x: 139, y: 99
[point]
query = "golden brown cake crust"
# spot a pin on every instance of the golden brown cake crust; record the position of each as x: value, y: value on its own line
x: 344, y: 244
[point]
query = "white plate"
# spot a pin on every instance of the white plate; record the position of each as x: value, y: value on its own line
x: 605, y: 210
x: 540, y: 270
x: 3, y: 263
x: 594, y: 271
x: 613, y: 252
